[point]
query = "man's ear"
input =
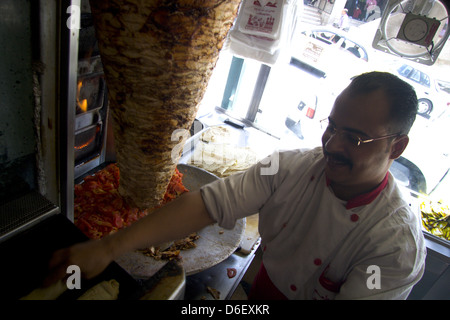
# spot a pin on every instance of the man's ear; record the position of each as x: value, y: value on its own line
x: 398, y: 146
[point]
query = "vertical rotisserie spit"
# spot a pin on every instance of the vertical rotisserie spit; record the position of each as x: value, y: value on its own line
x: 158, y: 56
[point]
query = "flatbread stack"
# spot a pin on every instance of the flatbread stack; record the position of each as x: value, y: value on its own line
x: 158, y: 57
x: 216, y: 153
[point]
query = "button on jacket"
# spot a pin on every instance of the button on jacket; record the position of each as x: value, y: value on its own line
x: 315, y: 245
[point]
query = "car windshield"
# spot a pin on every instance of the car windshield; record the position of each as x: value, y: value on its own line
x: 414, y: 75
x: 333, y: 38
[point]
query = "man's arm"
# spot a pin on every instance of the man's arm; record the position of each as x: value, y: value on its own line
x: 175, y: 220
x: 374, y: 282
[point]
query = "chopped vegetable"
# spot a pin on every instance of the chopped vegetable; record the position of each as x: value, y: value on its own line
x: 436, y: 218
x: 99, y: 209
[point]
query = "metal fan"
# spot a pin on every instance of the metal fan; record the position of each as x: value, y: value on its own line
x: 413, y: 29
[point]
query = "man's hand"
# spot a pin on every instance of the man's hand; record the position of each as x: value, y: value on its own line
x: 175, y: 220
x: 92, y: 257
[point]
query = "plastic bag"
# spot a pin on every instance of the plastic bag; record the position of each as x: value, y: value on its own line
x: 264, y: 29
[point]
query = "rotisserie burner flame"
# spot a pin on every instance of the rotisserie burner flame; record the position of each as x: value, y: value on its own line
x: 83, y: 105
x: 87, y: 143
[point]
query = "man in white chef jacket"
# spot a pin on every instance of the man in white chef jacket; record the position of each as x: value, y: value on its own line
x: 332, y: 220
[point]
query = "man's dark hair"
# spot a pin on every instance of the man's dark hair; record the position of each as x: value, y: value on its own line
x: 402, y: 97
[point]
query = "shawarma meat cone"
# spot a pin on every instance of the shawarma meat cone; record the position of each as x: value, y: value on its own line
x: 158, y: 56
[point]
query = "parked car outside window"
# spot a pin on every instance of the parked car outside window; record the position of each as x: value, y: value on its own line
x: 314, y: 49
x: 431, y: 97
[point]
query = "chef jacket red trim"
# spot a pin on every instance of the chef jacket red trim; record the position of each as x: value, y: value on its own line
x: 365, y: 198
x: 328, y: 284
x: 263, y: 288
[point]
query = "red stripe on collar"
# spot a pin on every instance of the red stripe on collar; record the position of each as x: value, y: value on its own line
x: 365, y: 198
x: 368, y: 197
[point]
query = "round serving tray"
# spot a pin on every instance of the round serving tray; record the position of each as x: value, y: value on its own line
x: 214, y: 245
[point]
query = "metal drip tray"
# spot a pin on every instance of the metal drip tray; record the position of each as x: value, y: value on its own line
x: 26, y: 256
x: 23, y: 212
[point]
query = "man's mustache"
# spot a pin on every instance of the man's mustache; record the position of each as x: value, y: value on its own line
x: 336, y: 157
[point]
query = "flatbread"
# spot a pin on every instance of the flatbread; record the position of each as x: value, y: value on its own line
x: 51, y: 292
x: 105, y: 290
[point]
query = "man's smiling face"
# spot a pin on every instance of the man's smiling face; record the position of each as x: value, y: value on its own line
x: 353, y: 169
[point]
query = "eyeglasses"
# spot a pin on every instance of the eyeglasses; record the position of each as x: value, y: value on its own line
x: 349, y: 136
